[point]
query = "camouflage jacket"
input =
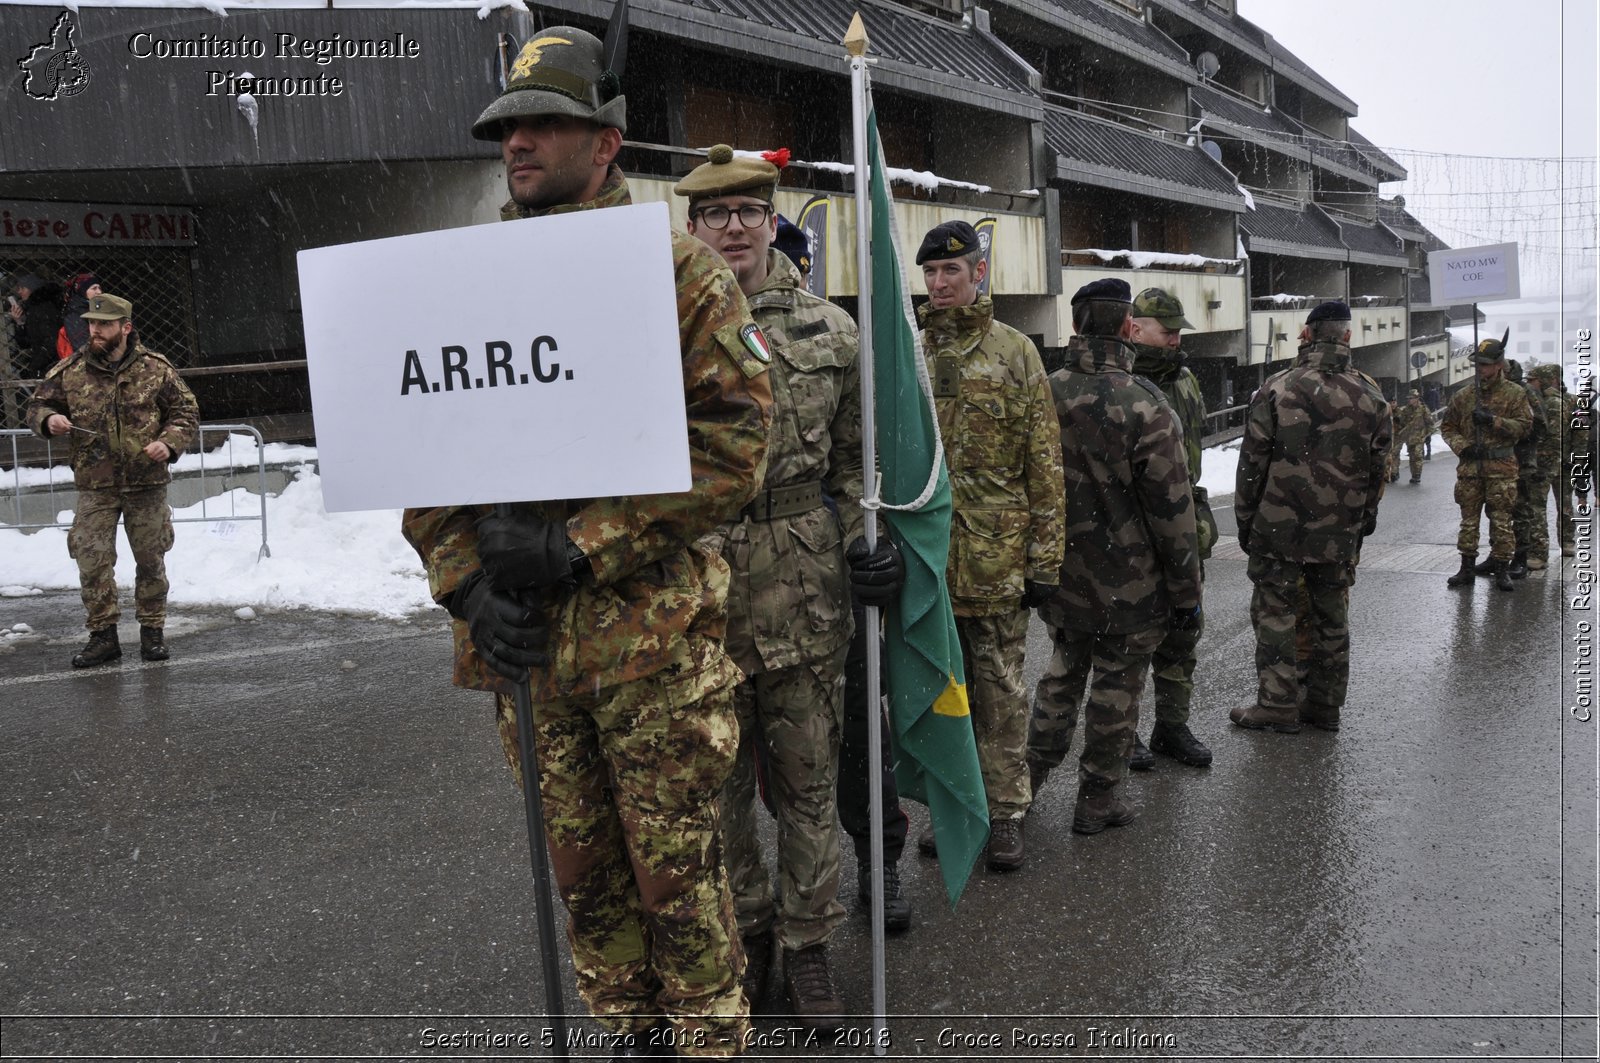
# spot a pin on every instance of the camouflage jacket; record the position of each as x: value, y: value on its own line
x: 1412, y: 424
x: 790, y: 598
x: 1557, y: 439
x: 128, y: 405
x: 1004, y: 454
x: 657, y: 599
x: 1313, y: 459
x: 1497, y: 456
x: 1528, y: 446
x: 1166, y: 370
x: 1131, y: 556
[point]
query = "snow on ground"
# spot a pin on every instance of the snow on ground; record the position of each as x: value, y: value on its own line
x: 234, y: 451
x: 339, y: 562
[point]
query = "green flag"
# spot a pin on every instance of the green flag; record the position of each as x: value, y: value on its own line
x: 938, y: 762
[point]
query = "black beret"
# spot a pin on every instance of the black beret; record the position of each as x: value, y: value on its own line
x: 1332, y: 310
x: 792, y: 241
x: 1106, y: 288
x: 952, y: 239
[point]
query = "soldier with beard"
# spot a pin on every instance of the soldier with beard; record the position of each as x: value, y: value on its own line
x: 130, y: 416
x: 1157, y: 321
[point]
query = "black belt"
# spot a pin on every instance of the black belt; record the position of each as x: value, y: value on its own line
x: 1491, y: 453
x: 775, y: 502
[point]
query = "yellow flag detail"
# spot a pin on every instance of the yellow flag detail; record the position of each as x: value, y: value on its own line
x: 952, y: 701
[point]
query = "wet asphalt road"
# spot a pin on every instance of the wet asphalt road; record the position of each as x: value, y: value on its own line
x: 296, y: 840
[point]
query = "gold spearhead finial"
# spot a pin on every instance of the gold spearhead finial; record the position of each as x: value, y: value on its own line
x: 855, y: 38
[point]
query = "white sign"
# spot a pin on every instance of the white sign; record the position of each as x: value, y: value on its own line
x: 1474, y: 274
x: 517, y: 361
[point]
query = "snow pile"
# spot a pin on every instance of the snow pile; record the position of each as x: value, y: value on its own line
x: 926, y: 180
x: 237, y: 451
x: 337, y: 562
x: 1154, y: 259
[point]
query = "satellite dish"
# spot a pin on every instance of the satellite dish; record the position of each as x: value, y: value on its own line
x: 1211, y: 149
x: 1208, y: 64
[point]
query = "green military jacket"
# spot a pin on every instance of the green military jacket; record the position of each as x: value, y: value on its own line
x: 1412, y: 424
x: 790, y: 597
x: 1557, y: 438
x: 1003, y: 451
x: 1131, y: 555
x: 1494, y: 456
x: 1313, y: 460
x: 1166, y: 370
x: 657, y: 600
x: 127, y: 405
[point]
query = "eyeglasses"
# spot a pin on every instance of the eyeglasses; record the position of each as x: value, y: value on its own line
x: 750, y: 215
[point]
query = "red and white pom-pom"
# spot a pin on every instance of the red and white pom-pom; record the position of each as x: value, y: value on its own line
x: 778, y: 158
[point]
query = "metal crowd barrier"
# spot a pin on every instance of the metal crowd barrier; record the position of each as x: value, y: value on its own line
x: 17, y: 434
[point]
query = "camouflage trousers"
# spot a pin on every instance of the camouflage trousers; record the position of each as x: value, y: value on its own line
x: 1414, y: 455
x: 1562, y: 486
x: 1301, y: 617
x: 1172, y: 673
x: 1497, y: 495
x: 629, y: 776
x: 992, y: 649
x: 793, y: 715
x: 92, y: 543
x: 1530, y: 519
x: 1114, y: 666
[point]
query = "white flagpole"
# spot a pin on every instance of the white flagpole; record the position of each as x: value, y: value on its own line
x: 855, y: 42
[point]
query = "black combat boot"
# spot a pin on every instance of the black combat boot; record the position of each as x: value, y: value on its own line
x: 101, y: 647
x: 1502, y: 576
x: 1519, y: 565
x: 645, y: 1044
x: 1141, y: 759
x: 757, y: 962
x: 1099, y: 807
x: 1485, y: 567
x: 896, y: 905
x: 1005, y: 844
x: 1175, y: 740
x: 152, y: 646
x: 1468, y: 572
x: 1037, y: 775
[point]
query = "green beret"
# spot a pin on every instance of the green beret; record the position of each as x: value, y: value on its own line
x: 724, y: 174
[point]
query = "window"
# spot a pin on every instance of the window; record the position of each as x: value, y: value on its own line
x: 1523, y: 347
x: 1522, y: 326
x: 1547, y: 325
x: 1547, y: 347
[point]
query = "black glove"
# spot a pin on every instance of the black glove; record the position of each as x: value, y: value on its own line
x: 1184, y: 619
x: 875, y: 574
x: 511, y: 637
x: 1468, y: 452
x: 1370, y: 526
x: 523, y: 551
x: 1036, y: 594
x: 1483, y: 417
x: 1244, y: 538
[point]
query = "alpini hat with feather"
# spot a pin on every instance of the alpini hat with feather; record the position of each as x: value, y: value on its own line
x: 560, y: 71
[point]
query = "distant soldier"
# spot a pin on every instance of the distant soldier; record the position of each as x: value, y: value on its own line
x: 1003, y: 449
x: 1482, y: 425
x: 1413, y: 424
x: 1157, y: 319
x: 1311, y: 473
x: 130, y: 416
x: 1566, y: 434
x: 789, y: 620
x: 1528, y: 515
x: 1132, y: 569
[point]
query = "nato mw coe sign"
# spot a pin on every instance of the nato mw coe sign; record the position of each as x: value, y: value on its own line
x: 517, y: 361
x: 1474, y: 274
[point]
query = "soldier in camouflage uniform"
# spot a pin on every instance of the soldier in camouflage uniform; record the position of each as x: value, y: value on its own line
x: 1132, y: 567
x: 130, y: 416
x: 1004, y: 454
x: 1532, y: 484
x: 1413, y: 424
x: 1311, y: 473
x: 1157, y: 321
x: 613, y: 611
x: 1482, y: 424
x: 1561, y: 440
x: 789, y: 620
